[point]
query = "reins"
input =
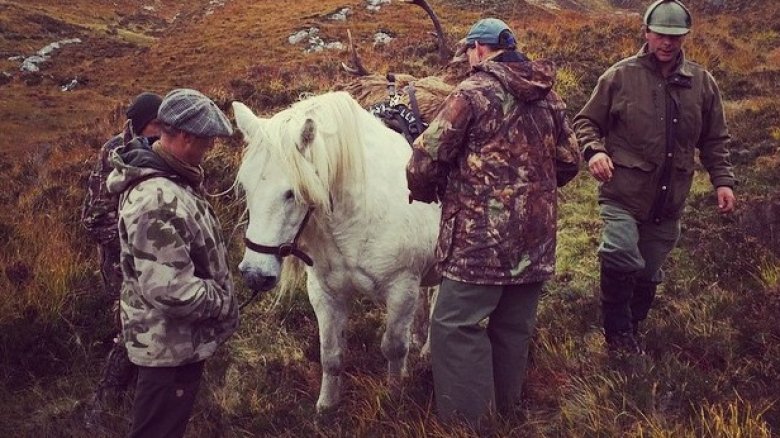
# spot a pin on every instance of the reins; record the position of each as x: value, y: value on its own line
x: 282, y: 250
x: 285, y: 249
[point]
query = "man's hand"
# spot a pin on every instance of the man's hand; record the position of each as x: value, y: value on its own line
x: 426, y: 196
x: 726, y: 200
x: 601, y: 167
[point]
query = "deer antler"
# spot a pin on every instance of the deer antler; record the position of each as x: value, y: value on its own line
x: 445, y: 53
x: 356, y: 68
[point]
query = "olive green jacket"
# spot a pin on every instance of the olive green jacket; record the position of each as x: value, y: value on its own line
x: 650, y: 125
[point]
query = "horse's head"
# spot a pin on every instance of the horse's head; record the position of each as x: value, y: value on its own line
x: 274, y: 202
x: 297, y: 162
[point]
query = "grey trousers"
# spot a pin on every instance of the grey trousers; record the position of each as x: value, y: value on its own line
x: 479, y: 367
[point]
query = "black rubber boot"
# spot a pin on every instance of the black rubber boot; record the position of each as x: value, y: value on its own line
x: 644, y: 294
x: 617, y: 290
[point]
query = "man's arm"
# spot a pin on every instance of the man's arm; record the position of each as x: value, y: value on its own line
x: 713, y: 146
x: 437, y: 149
x: 169, y: 279
x: 591, y: 125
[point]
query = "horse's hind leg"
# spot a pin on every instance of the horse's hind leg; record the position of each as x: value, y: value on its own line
x: 401, y: 306
x: 331, y: 312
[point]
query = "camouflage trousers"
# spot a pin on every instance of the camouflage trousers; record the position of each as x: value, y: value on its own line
x: 110, y: 269
x: 118, y: 370
x: 115, y: 378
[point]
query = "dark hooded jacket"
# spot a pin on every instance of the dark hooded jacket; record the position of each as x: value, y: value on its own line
x: 495, y: 154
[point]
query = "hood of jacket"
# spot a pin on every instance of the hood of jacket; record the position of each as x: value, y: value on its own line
x: 132, y: 162
x: 527, y: 80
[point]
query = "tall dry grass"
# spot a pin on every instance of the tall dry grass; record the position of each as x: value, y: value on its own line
x: 712, y: 339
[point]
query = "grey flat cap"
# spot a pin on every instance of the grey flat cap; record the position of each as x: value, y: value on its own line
x: 192, y: 112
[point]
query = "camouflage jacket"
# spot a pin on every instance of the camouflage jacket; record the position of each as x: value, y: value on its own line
x: 99, y: 212
x: 496, y: 151
x: 651, y: 126
x: 177, y: 301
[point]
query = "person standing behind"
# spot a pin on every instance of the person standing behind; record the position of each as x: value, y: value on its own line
x: 178, y: 303
x: 646, y: 116
x: 99, y: 218
x: 495, y: 155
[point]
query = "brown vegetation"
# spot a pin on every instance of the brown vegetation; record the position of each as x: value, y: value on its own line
x: 713, y: 337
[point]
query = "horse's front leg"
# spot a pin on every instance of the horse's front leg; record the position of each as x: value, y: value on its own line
x: 402, y: 300
x: 331, y: 312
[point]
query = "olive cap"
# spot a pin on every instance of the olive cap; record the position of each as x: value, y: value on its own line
x: 668, y: 17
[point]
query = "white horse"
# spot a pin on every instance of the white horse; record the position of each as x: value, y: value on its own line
x: 326, y: 179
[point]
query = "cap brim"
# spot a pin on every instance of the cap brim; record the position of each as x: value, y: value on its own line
x: 460, y: 51
x: 668, y: 30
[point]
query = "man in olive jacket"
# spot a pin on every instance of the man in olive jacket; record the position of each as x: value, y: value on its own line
x: 639, y: 131
x: 495, y: 154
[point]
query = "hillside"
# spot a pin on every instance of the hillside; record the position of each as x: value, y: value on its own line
x: 713, y: 342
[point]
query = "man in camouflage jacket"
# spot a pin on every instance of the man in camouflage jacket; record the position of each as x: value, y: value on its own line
x: 495, y: 155
x: 177, y: 301
x: 639, y: 130
x: 99, y: 217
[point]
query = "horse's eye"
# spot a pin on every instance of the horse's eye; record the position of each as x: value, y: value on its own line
x: 288, y: 195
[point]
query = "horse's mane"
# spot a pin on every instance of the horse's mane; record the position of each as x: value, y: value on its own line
x: 318, y: 141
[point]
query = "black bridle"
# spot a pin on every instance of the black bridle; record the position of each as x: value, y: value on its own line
x: 285, y: 249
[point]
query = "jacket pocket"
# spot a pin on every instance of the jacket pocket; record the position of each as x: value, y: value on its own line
x: 632, y: 181
x: 682, y: 179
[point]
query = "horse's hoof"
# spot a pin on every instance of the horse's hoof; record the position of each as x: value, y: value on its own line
x: 326, y: 409
x: 326, y: 417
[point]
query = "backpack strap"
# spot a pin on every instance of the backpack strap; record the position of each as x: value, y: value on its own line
x: 418, y: 125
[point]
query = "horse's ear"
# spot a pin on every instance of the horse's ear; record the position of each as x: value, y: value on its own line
x: 307, y: 135
x: 248, y: 123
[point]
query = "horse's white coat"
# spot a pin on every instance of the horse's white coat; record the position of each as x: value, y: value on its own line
x: 364, y: 236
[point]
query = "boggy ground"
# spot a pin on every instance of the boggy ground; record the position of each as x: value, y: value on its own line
x: 713, y: 342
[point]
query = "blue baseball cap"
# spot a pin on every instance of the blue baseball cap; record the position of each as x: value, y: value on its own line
x: 488, y: 31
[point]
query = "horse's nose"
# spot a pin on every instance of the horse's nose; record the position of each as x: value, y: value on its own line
x: 259, y: 282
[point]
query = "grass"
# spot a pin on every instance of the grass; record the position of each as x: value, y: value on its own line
x: 712, y: 337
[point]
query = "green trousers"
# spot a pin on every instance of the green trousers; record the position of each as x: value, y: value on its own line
x: 631, y: 254
x: 628, y: 245
x: 479, y: 367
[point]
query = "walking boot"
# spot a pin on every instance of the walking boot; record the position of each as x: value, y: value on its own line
x: 617, y: 289
x: 644, y: 294
x: 623, y: 344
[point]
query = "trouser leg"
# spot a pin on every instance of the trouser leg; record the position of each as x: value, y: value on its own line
x: 461, y: 356
x: 110, y: 268
x: 116, y: 375
x: 620, y: 259
x: 117, y: 371
x: 510, y: 329
x: 655, y: 243
x: 164, y: 398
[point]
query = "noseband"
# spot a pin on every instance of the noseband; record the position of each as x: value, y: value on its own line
x: 285, y: 249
